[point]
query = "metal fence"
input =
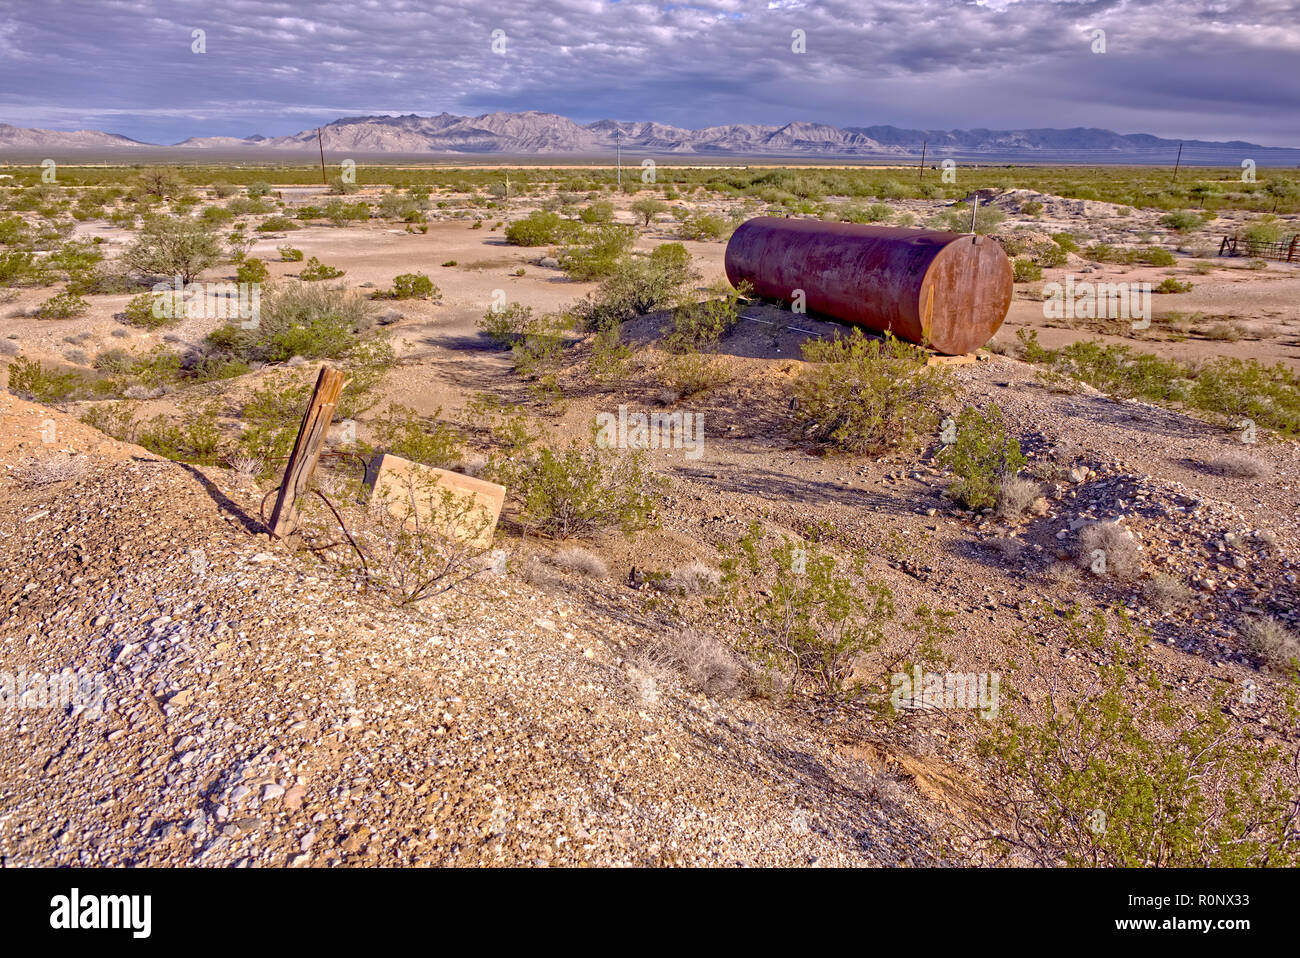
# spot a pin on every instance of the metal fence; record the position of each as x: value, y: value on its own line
x: 1286, y: 250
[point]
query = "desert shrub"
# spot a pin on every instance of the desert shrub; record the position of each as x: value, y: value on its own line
x: 28, y: 379
x: 194, y: 439
x: 1049, y: 254
x: 173, y: 247
x: 1025, y: 270
x: 701, y: 663
x: 981, y: 455
x: 873, y: 213
x: 864, y: 395
x: 703, y: 323
x: 577, y: 559
x: 597, y: 252
x: 1171, y: 285
x: 51, y: 469
x: 1066, y: 242
x: 340, y: 213
x: 252, y: 271
x: 538, y: 354
x: 610, y: 358
x: 289, y: 255
x: 958, y: 219
x: 1266, y: 229
x: 18, y: 268
x: 411, y: 286
x: 73, y: 259
x: 64, y: 305
x: 161, y: 183
x: 1273, y: 645
x: 258, y: 189
x: 314, y: 322
x: 247, y: 206
x: 638, y: 285
x: 601, y: 211
x: 1108, y: 778
x: 539, y: 229
x: 686, y: 374
x: 1108, y: 549
x: 1222, y: 332
x: 1184, y: 221
x: 422, y: 540
x: 154, y: 310
x: 14, y: 231
x: 581, y: 489
x: 277, y: 224
x: 1031, y: 208
x: 1232, y: 388
x: 404, y: 433
x: 648, y: 209
x: 806, y: 617
x: 705, y: 226
x: 315, y: 271
x: 508, y: 324
x: 400, y: 206
x: 216, y: 216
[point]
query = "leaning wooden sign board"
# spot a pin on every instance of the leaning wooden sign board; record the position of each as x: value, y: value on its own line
x: 410, y: 487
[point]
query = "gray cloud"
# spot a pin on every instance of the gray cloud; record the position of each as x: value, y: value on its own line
x: 1214, y: 69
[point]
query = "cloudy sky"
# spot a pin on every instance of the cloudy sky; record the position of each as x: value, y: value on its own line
x: 1208, y: 69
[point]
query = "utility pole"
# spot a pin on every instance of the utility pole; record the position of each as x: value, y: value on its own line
x: 323, y: 178
x: 921, y: 174
x: 1176, y: 162
x: 973, y: 210
x: 618, y: 154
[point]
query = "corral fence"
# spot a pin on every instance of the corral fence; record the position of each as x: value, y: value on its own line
x: 1286, y: 250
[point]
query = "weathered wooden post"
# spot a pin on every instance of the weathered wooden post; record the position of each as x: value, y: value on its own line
x: 306, y: 450
x: 1290, y: 253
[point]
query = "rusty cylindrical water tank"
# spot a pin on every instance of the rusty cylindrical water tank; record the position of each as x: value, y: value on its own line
x: 947, y: 291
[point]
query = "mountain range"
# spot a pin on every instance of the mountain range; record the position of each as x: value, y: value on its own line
x: 534, y: 132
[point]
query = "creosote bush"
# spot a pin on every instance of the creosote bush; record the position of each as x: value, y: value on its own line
x: 1110, y: 778
x: 863, y: 394
x: 981, y: 456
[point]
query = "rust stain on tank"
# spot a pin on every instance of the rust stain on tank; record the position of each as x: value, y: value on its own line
x: 947, y: 291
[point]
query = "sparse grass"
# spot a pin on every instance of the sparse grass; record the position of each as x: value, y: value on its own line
x: 1109, y: 550
x: 1016, y: 496
x: 700, y: 662
x: 583, y: 561
x: 51, y: 469
x: 1273, y: 645
x: 1163, y: 592
x: 1238, y: 465
x: 693, y: 578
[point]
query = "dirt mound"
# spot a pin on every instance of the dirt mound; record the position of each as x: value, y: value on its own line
x: 238, y: 704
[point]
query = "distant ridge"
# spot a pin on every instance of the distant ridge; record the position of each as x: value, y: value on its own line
x: 534, y: 132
